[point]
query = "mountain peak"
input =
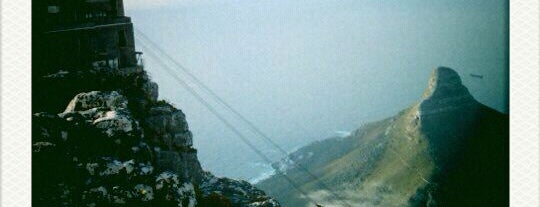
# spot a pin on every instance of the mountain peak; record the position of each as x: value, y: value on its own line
x: 445, y: 92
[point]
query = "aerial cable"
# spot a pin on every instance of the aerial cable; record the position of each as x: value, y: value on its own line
x: 250, y: 124
x: 202, y: 85
x: 255, y: 129
x: 226, y: 122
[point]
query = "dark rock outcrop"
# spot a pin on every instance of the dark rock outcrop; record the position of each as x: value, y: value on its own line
x: 240, y: 193
x: 468, y: 143
x: 447, y: 114
x: 122, y: 147
x: 168, y: 130
x: 168, y: 125
x: 115, y: 144
x: 445, y: 93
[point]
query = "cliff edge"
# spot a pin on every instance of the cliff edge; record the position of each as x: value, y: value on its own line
x: 115, y: 144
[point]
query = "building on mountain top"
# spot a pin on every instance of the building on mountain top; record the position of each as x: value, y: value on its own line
x: 93, y: 33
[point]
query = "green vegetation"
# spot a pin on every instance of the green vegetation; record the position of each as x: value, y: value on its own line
x: 395, y: 162
x: 374, y: 165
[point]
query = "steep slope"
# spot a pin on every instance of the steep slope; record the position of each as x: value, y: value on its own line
x: 446, y: 150
x: 116, y: 144
x: 100, y: 136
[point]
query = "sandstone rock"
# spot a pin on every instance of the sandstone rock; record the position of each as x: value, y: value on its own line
x: 445, y: 93
x: 150, y: 90
x: 167, y: 125
x: 184, y: 163
x: 115, y: 121
x: 183, y: 139
x: 95, y: 99
x: 96, y: 154
x: 169, y: 185
x: 240, y: 193
x: 105, y: 110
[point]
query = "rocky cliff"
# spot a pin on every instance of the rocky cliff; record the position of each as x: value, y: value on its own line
x: 101, y: 137
x: 445, y: 150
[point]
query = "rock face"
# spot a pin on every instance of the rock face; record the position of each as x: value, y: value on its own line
x: 101, y: 137
x: 445, y: 93
x: 240, y: 193
x: 93, y: 154
x: 168, y: 125
x: 168, y: 130
x: 106, y: 111
x: 123, y: 147
x: 447, y: 113
x: 445, y: 150
x: 96, y: 99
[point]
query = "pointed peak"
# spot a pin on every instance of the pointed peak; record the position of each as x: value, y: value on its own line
x: 445, y: 75
x: 443, y: 78
x: 445, y: 92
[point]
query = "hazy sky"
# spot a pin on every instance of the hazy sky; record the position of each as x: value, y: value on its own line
x: 306, y: 69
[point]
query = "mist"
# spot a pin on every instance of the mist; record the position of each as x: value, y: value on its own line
x: 306, y: 70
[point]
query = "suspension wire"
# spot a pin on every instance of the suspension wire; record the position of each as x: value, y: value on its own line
x: 213, y: 94
x: 249, y: 123
x: 202, y: 85
x: 225, y: 121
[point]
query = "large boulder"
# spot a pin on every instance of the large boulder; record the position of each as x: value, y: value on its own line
x: 167, y: 126
x: 168, y: 131
x: 105, y: 110
x: 96, y: 99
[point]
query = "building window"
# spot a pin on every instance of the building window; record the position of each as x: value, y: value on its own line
x: 122, y: 40
x: 53, y: 9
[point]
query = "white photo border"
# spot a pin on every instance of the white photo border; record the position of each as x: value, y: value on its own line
x: 15, y: 103
x: 524, y: 102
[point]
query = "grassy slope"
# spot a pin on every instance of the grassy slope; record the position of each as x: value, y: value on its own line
x: 391, y: 161
x: 385, y: 167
